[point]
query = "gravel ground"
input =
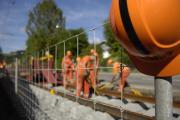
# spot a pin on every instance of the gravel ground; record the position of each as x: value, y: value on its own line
x: 58, y: 108
x: 69, y: 110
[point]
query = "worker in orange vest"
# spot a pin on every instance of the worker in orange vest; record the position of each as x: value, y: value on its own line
x: 94, y: 67
x: 67, y: 69
x: 78, y: 59
x: 83, y: 73
x: 96, y: 55
x: 120, y: 72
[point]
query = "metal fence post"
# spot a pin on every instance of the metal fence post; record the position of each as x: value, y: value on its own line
x: 16, y: 76
x: 164, y: 99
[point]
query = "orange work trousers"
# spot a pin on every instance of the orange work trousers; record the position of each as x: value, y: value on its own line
x: 124, y: 75
x: 82, y: 83
x: 67, y: 77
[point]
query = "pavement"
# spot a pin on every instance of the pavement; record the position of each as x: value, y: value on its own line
x: 145, y: 83
x: 139, y: 80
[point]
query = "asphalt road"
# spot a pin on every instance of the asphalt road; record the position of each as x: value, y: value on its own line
x: 142, y: 80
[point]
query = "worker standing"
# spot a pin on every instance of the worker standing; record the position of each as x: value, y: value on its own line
x: 83, y: 73
x: 78, y: 59
x: 67, y: 69
x: 120, y: 72
x: 50, y: 60
x: 94, y: 67
x: 96, y: 55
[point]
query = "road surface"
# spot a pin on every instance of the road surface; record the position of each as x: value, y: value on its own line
x: 142, y: 80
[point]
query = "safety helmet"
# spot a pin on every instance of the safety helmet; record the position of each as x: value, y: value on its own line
x: 47, y: 53
x: 110, y: 61
x: 149, y: 30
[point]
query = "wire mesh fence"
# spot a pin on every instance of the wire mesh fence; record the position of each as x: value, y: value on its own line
x: 61, y: 67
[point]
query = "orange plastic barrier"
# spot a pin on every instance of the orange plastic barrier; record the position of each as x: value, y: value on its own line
x: 149, y: 30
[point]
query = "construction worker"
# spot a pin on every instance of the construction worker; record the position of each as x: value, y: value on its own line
x: 83, y: 73
x: 78, y: 59
x: 96, y: 55
x: 94, y: 67
x: 67, y: 69
x: 50, y: 60
x: 31, y: 66
x: 120, y: 72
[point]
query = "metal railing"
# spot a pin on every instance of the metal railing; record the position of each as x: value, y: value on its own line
x: 26, y: 72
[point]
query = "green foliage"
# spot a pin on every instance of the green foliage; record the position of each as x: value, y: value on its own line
x: 41, y: 27
x: 43, y: 32
x: 111, y: 39
x: 82, y: 41
x: 9, y: 58
x: 71, y: 43
x: 116, y: 50
x: 1, y: 54
x: 97, y: 47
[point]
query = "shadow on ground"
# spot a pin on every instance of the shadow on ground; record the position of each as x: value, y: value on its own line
x: 17, y: 106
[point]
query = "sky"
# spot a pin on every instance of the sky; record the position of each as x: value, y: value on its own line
x: 79, y: 13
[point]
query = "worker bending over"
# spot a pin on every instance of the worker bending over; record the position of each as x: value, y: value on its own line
x: 67, y: 69
x: 83, y: 75
x: 120, y: 72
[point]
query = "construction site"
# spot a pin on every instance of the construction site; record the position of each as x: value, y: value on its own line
x: 127, y: 67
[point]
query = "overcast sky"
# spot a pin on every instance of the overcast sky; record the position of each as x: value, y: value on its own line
x: 78, y: 13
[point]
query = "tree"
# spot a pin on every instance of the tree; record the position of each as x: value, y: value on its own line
x: 111, y: 40
x: 82, y: 44
x: 116, y: 50
x: 42, y: 31
x: 1, y: 54
x: 41, y: 27
x: 71, y: 43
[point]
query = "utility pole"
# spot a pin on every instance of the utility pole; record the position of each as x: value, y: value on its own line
x: 16, y: 76
x: 164, y: 98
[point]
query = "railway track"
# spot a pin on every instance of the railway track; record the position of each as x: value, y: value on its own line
x: 100, y: 106
x: 144, y: 98
x: 104, y: 107
x: 147, y: 99
x: 97, y: 105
